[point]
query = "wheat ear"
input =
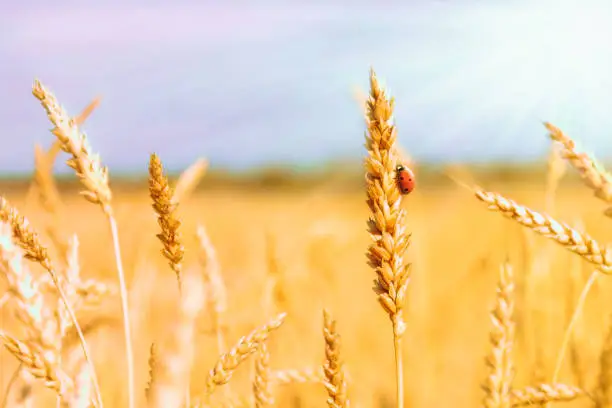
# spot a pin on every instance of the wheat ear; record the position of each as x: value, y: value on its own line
x: 570, y: 238
x: 44, y: 182
x: 262, y: 392
x: 94, y: 178
x: 592, y: 173
x: 40, y: 367
x: 189, y: 179
x: 165, y: 207
x: 573, y: 240
x: 385, y: 225
x: 31, y: 310
x: 333, y: 367
x: 544, y: 393
x: 228, y: 362
x: 499, y: 361
x: 153, y: 362
x: 33, y: 250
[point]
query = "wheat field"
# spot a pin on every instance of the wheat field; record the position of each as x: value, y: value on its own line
x: 486, y: 310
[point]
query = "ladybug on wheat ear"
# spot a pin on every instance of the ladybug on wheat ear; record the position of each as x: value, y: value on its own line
x: 404, y: 178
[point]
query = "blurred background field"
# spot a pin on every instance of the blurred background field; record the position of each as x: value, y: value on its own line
x: 311, y: 241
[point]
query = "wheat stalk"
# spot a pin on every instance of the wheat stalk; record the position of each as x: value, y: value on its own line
x: 385, y: 225
x: 333, y: 368
x: 592, y: 173
x: 573, y: 240
x: 229, y: 362
x: 33, y: 250
x: 153, y: 361
x: 262, y: 392
x: 165, y: 207
x: 31, y: 310
x: 87, y: 165
x: 43, y: 167
x: 22, y: 287
x: 94, y: 177
x: 499, y: 361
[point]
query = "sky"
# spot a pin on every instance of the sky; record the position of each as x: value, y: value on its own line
x: 247, y: 84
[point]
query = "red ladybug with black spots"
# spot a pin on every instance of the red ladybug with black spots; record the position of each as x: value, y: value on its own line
x: 404, y: 178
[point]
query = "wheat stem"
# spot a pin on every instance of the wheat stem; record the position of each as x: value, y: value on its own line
x: 399, y: 370
x: 570, y: 327
x: 124, y: 308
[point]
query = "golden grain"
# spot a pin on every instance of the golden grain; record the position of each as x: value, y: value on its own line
x: 333, y: 367
x: 386, y: 222
x: 499, y: 361
x: 165, y: 207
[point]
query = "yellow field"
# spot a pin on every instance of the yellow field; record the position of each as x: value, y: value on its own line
x: 319, y: 241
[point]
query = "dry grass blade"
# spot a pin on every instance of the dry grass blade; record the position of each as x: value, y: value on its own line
x: 499, y: 362
x: 385, y: 225
x: 165, y: 207
x: 333, y: 369
x: 593, y: 174
x: 544, y: 393
x: 573, y: 240
x: 189, y: 180
x: 261, y: 384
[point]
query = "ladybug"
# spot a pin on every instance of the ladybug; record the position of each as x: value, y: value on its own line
x: 404, y: 178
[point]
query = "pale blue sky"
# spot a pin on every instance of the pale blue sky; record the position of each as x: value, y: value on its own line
x: 260, y: 82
